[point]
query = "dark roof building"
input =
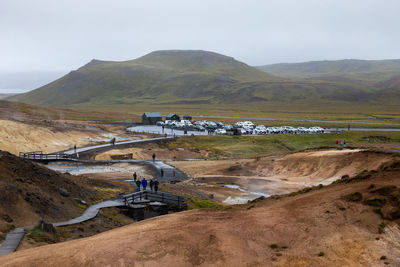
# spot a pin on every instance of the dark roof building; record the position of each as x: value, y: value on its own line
x: 173, y: 117
x: 151, y: 118
x: 187, y: 117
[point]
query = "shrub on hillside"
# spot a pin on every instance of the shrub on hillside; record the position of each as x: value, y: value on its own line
x: 376, y: 201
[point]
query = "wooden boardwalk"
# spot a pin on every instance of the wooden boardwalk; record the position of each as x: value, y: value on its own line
x: 15, y: 236
x: 170, y: 173
x: 75, y: 154
x: 91, y: 212
x: 12, y: 241
x: 160, y: 196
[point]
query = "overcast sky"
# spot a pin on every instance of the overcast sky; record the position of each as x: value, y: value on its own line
x: 55, y: 35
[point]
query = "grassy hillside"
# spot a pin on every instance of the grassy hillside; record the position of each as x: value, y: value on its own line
x: 370, y: 72
x: 188, y: 77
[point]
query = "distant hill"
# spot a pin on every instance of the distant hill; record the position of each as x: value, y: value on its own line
x: 369, y: 72
x: 2, y: 96
x: 190, y: 76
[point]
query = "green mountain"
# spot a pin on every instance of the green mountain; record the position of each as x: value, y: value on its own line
x: 187, y: 76
x: 365, y: 72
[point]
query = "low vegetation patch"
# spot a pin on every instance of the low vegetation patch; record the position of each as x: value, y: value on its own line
x: 381, y: 227
x: 253, y: 146
x: 200, y: 203
x: 355, y: 197
x: 386, y: 190
x: 376, y: 201
x: 395, y: 214
x: 7, y: 228
x: 38, y: 235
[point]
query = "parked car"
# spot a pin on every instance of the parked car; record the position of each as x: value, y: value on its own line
x: 260, y: 129
x: 248, y: 130
x: 228, y: 127
x: 219, y: 124
x: 242, y: 131
x: 220, y: 131
x: 302, y: 130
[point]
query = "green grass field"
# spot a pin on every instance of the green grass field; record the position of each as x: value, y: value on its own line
x: 252, y: 146
x: 343, y: 112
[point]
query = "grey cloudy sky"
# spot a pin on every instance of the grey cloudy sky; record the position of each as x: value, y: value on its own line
x: 63, y: 35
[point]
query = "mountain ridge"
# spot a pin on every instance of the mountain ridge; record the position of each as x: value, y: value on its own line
x: 197, y: 76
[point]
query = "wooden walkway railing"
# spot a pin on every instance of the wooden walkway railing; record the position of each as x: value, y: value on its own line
x: 38, y: 155
x: 163, y: 197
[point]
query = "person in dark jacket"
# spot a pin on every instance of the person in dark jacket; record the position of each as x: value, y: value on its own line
x: 134, y: 176
x: 138, y: 183
x: 154, y: 157
x: 151, y: 184
x: 162, y: 172
x: 144, y: 183
x: 156, y: 183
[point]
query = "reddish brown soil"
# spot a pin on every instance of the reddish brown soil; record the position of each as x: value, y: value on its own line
x: 275, y: 174
x: 29, y: 192
x: 322, y: 227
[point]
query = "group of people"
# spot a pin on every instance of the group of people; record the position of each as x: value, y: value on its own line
x: 342, y: 143
x: 144, y: 183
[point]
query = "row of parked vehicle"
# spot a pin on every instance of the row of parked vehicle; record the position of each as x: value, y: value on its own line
x: 241, y: 127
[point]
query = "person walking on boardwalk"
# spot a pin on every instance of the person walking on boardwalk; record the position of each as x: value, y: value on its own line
x: 151, y: 184
x: 162, y: 172
x: 144, y: 183
x: 154, y: 157
x: 138, y: 183
x: 134, y: 177
x: 156, y: 183
x: 75, y: 149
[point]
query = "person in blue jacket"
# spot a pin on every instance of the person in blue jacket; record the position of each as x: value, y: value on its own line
x: 144, y: 183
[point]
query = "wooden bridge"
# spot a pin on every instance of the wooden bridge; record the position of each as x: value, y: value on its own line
x: 39, y: 156
x: 174, y: 201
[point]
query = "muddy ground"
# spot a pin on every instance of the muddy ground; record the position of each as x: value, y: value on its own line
x: 274, y: 175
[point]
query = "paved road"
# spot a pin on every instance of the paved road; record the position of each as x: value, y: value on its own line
x: 297, y: 120
x: 111, y: 146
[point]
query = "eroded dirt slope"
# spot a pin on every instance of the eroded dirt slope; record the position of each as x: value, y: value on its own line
x: 330, y: 226
x: 275, y: 174
x: 29, y: 192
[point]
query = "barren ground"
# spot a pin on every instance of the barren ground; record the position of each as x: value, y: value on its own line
x: 324, y: 227
x: 273, y: 175
x: 146, y: 152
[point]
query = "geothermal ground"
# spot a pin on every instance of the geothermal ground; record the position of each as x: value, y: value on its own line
x: 301, y: 208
